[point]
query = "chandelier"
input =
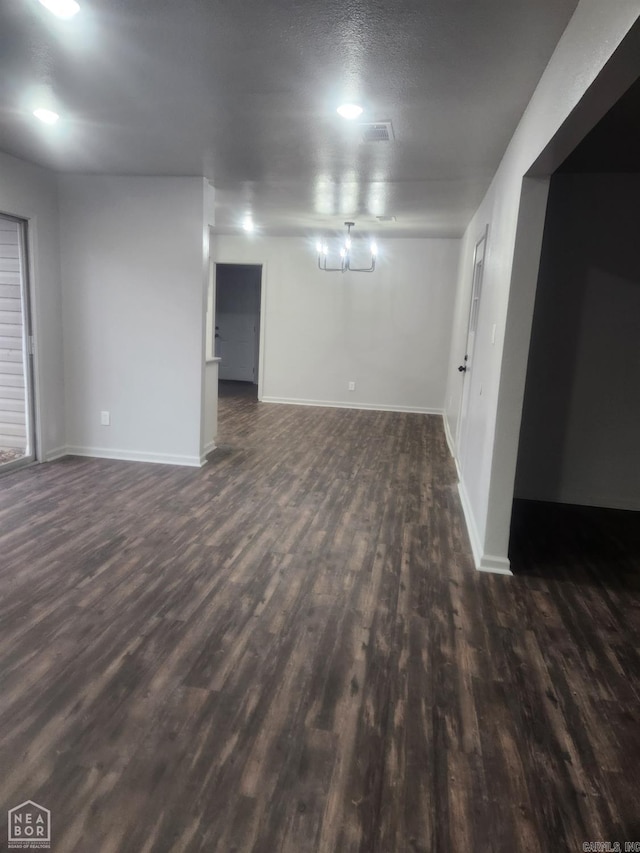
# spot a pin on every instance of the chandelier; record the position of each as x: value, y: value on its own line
x: 345, y: 255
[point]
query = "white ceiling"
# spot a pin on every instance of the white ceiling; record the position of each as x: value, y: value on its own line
x: 244, y: 92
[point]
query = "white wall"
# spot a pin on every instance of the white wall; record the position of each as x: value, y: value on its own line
x: 209, y: 374
x: 512, y: 208
x: 30, y: 192
x: 387, y: 331
x: 581, y: 415
x: 134, y: 274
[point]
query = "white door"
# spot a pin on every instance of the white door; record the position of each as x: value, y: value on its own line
x: 466, y: 366
x: 237, y: 346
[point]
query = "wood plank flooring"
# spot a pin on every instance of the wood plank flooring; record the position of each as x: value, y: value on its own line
x: 289, y: 650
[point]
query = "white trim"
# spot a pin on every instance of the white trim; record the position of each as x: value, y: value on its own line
x: 134, y: 456
x: 262, y: 339
x: 31, y: 272
x: 28, y: 234
x: 455, y: 459
x: 472, y: 530
x: 495, y: 565
x: 483, y: 562
x: 335, y: 404
x: 55, y: 453
x: 449, y: 437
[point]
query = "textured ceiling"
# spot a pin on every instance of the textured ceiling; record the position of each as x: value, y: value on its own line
x: 244, y: 92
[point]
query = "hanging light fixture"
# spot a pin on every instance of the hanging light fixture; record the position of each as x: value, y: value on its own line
x: 345, y: 255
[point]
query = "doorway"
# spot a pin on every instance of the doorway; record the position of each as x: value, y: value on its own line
x: 17, y: 418
x: 577, y: 492
x: 238, y: 296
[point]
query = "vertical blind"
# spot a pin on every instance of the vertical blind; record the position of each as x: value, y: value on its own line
x: 13, y: 392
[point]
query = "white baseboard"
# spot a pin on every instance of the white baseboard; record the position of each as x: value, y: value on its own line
x: 334, y: 404
x: 55, y: 453
x: 452, y: 451
x: 484, y: 562
x: 134, y: 456
x: 472, y: 530
x: 447, y: 433
x: 496, y: 565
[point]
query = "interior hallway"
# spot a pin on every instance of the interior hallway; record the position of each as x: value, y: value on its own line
x: 290, y: 650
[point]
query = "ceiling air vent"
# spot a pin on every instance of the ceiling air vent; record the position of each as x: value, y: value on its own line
x: 377, y: 131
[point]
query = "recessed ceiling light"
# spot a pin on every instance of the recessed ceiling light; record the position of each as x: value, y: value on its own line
x: 247, y: 224
x: 349, y: 110
x: 62, y: 8
x: 47, y: 116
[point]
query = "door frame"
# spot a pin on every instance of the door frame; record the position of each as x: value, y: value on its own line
x: 28, y: 346
x: 263, y: 306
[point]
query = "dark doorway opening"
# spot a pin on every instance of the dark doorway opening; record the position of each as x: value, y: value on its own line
x: 230, y: 388
x: 237, y: 323
x: 577, y: 488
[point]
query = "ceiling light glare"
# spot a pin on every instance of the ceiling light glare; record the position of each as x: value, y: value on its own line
x: 247, y: 224
x: 62, y: 8
x: 47, y: 116
x: 349, y: 111
x: 374, y: 249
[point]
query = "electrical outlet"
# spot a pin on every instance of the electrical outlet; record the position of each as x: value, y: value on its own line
x: 105, y: 418
x: 352, y: 386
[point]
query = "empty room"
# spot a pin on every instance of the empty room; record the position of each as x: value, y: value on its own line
x: 319, y: 488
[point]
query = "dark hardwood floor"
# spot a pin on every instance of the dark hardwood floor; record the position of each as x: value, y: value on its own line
x: 290, y: 650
